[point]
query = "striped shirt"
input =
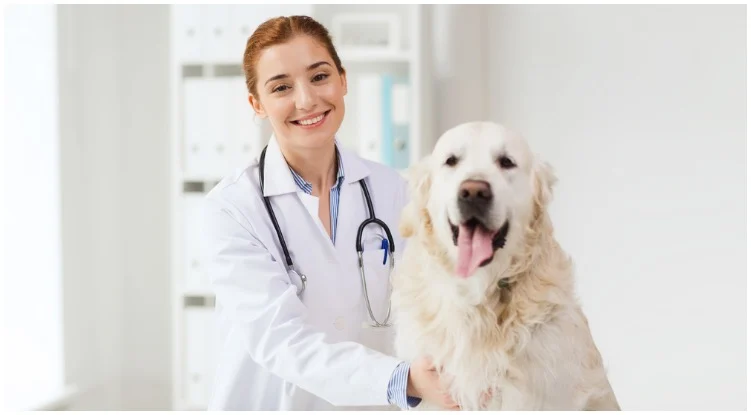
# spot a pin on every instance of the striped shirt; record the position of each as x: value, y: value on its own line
x: 397, y: 391
x: 397, y: 388
x: 334, y: 193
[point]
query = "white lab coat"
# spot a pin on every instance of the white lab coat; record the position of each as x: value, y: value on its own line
x: 278, y: 352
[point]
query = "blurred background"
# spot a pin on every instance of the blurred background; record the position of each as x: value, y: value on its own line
x: 119, y: 118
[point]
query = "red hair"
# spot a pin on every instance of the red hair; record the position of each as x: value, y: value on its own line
x: 281, y: 30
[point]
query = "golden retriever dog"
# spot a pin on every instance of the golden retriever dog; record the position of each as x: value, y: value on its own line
x: 484, y: 289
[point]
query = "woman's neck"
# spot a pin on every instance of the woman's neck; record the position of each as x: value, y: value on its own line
x: 316, y: 166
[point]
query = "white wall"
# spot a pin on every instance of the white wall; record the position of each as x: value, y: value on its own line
x: 642, y: 111
x: 31, y: 275
x: 115, y: 183
x: 459, y: 64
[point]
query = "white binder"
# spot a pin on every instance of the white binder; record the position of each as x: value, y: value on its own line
x: 217, y: 47
x: 195, y: 149
x: 243, y: 21
x: 218, y: 121
x: 245, y: 126
x: 190, y: 32
x: 400, y: 139
x: 207, y: 130
x: 194, y: 264
x: 369, y: 117
x: 201, y: 346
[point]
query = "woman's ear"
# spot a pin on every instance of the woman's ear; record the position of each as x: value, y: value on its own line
x: 419, y: 191
x: 256, y: 105
x: 343, y: 75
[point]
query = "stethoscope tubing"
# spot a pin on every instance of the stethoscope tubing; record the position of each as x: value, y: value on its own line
x: 358, y: 243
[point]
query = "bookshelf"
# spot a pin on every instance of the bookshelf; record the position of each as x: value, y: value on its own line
x: 214, y: 131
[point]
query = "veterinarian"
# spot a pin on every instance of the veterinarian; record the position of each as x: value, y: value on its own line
x: 302, y: 289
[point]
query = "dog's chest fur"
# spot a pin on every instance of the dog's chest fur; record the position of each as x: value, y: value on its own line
x: 482, y: 347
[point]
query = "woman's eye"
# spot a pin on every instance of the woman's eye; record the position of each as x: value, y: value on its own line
x: 506, y: 163
x: 280, y: 88
x: 451, y: 161
x: 320, y: 77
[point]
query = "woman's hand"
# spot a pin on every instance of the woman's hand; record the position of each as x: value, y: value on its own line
x: 423, y: 382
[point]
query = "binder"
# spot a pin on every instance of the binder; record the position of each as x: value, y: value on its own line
x: 206, y: 126
x: 387, y: 134
x: 246, y: 129
x: 216, y: 48
x: 369, y: 119
x: 195, y: 149
x: 243, y: 21
x: 201, y: 347
x: 190, y: 34
x: 383, y: 119
x: 220, y: 136
x: 400, y: 140
x: 194, y: 268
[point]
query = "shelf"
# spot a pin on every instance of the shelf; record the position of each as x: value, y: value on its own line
x: 200, y: 179
x: 199, y: 299
x: 197, y: 293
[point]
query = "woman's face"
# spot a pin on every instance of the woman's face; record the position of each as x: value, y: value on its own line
x: 301, y: 92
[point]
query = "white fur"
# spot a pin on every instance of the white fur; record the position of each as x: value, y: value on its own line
x: 529, y: 344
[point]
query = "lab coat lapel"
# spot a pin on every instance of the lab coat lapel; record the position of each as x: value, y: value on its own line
x: 352, y: 208
x: 280, y: 181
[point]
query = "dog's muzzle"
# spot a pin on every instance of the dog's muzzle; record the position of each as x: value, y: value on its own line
x: 474, y: 200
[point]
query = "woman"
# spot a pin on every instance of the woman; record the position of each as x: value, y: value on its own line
x: 288, y: 345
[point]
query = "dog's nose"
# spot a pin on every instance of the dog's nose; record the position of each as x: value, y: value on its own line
x: 474, y: 196
x: 475, y: 191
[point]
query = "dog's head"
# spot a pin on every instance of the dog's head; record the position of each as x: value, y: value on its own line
x: 478, y: 193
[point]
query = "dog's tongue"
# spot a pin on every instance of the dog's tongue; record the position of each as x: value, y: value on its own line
x: 475, y: 246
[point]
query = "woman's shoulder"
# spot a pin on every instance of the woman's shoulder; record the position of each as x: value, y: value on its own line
x: 238, y: 190
x: 377, y: 171
x: 383, y: 172
x: 384, y: 178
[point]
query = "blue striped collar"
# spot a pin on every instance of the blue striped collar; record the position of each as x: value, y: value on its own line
x: 283, y: 180
x: 308, y: 188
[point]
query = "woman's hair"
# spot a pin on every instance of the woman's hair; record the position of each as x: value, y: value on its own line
x: 281, y: 30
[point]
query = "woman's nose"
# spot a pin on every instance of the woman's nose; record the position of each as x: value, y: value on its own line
x: 304, y: 97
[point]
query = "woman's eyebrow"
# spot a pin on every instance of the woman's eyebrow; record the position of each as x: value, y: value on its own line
x: 284, y: 75
x: 317, y: 64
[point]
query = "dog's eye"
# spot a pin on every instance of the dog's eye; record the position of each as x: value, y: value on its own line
x: 506, y: 163
x: 451, y: 161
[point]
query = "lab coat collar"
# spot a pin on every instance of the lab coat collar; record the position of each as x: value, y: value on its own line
x: 279, y: 179
x: 354, y: 167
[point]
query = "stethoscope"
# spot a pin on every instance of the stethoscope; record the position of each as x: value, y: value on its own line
x: 358, y: 244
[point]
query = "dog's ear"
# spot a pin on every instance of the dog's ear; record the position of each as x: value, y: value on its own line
x: 419, y: 189
x: 544, y: 181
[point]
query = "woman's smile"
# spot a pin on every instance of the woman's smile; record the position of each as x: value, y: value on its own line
x: 312, y: 121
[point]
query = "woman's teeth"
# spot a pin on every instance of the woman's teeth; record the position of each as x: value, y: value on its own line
x: 312, y: 120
